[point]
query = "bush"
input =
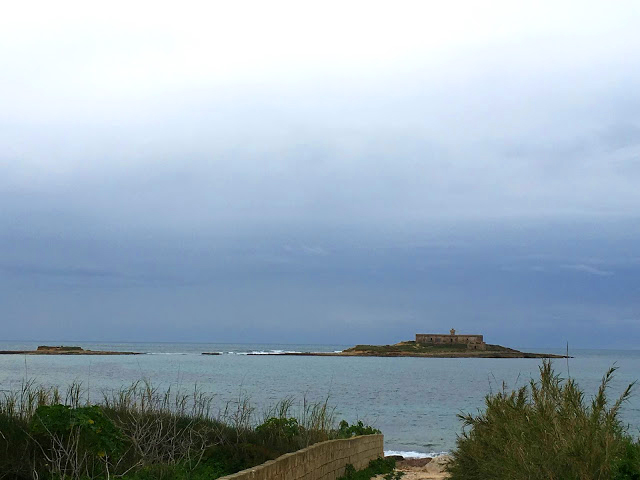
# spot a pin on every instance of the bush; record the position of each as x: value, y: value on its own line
x: 204, y: 471
x: 279, y: 427
x: 379, y: 466
x: 355, y: 430
x: 627, y: 467
x: 546, y: 430
x: 142, y: 433
x: 75, y: 442
x: 15, y: 446
x: 92, y: 429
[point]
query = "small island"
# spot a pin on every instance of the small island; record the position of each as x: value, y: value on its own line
x: 63, y: 350
x: 436, y: 345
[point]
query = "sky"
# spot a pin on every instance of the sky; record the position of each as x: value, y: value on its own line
x: 329, y: 172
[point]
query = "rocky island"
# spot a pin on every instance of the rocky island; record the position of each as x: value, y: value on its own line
x: 438, y: 346
x: 63, y: 350
x: 414, y: 349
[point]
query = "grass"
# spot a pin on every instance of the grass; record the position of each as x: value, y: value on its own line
x: 143, y: 433
x: 547, y: 430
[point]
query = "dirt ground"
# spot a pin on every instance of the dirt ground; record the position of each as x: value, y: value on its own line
x: 422, y: 468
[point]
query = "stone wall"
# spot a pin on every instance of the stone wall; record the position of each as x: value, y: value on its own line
x: 322, y: 461
x: 475, y: 342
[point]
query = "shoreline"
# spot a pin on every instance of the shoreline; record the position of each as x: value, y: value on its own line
x: 430, y: 468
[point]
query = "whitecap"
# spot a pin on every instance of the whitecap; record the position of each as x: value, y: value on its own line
x: 414, y: 454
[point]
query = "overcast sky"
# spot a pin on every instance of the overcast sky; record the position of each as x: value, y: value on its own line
x: 329, y: 172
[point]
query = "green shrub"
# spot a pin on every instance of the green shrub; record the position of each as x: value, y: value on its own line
x: 142, y: 433
x: 279, y: 427
x: 347, y: 431
x: 236, y: 457
x: 379, y: 466
x: 546, y: 431
x: 74, y: 442
x: 15, y: 446
x: 627, y: 467
x: 95, y: 432
x: 207, y: 470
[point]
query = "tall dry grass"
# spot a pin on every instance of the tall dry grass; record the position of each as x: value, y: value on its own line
x: 546, y: 430
x: 47, y: 433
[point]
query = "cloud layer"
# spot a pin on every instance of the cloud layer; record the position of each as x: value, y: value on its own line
x: 269, y: 172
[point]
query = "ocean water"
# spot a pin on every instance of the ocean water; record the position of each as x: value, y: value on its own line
x: 414, y: 401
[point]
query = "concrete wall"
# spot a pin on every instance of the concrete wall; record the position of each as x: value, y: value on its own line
x: 322, y: 461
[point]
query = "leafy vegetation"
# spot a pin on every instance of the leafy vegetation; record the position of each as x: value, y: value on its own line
x: 379, y: 466
x: 347, y: 431
x: 547, y: 430
x: 279, y: 427
x: 141, y: 433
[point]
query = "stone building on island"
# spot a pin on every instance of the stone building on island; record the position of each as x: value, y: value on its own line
x: 473, y: 342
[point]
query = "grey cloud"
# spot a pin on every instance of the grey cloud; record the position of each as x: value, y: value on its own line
x: 494, y: 183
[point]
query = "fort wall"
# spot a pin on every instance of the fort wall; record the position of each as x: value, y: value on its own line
x: 473, y: 342
x: 322, y: 461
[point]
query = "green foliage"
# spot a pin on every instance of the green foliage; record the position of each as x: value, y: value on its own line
x: 236, y: 457
x: 97, y: 433
x: 279, y: 427
x: 141, y: 433
x: 15, y: 446
x: 208, y: 470
x: 347, y: 431
x: 546, y: 430
x: 379, y: 466
x: 281, y: 433
x: 627, y: 466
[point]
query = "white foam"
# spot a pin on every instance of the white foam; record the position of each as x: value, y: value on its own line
x: 414, y: 454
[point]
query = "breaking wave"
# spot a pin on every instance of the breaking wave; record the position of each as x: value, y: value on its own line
x: 414, y: 454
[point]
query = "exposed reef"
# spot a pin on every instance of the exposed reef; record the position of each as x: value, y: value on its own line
x: 63, y: 350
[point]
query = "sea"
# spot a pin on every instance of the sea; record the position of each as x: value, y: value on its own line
x: 415, y: 402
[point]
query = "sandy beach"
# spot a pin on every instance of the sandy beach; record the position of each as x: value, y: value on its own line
x: 422, y: 468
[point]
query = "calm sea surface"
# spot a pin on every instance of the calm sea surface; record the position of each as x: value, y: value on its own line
x: 414, y: 401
